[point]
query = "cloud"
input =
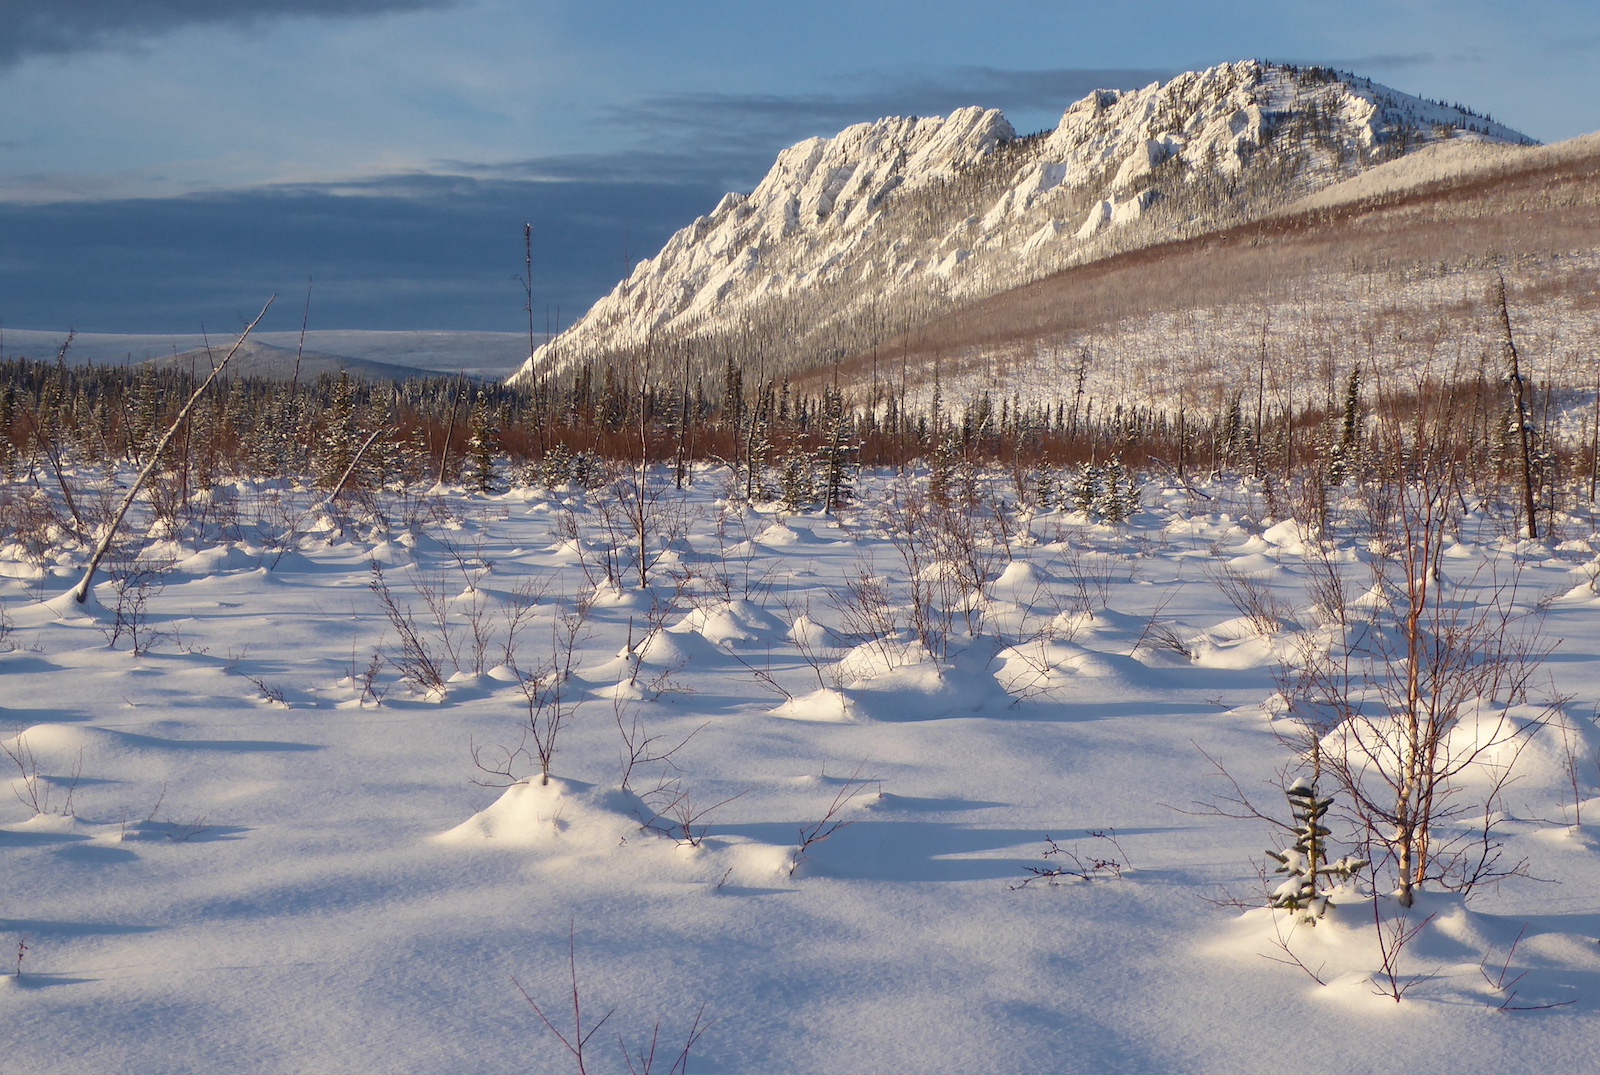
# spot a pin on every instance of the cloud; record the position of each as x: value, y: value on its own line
x: 403, y: 252
x: 34, y: 27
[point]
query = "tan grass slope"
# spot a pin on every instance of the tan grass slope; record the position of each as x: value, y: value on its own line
x: 1393, y: 267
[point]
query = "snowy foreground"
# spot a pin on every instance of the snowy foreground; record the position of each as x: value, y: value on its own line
x: 236, y: 851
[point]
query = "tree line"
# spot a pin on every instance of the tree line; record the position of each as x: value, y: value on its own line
x: 344, y: 434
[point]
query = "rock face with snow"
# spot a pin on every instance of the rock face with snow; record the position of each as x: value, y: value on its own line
x: 850, y: 238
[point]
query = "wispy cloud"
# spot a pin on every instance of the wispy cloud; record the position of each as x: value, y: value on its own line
x: 867, y: 97
x: 1381, y: 61
x: 731, y: 138
x: 31, y: 27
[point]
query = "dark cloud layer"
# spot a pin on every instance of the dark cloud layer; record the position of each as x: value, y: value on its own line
x: 35, y: 27
x: 413, y: 252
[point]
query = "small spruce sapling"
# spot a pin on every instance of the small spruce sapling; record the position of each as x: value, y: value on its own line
x: 1306, y: 860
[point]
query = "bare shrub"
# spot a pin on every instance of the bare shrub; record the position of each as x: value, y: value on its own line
x: 1376, y: 710
x: 34, y: 521
x: 364, y: 676
x: 41, y: 793
x: 1088, y: 580
x: 548, y: 705
x: 639, y: 745
x: 642, y: 511
x: 1252, y: 598
x: 1394, y: 934
x: 822, y: 658
x: 134, y: 582
x: 1502, y: 981
x: 280, y: 521
x: 679, y: 815
x: 415, y: 660
x: 1106, y: 861
x: 832, y: 819
x: 641, y: 1061
x: 270, y: 691
x: 865, y: 612
x: 516, y: 611
x: 938, y: 548
x: 547, y: 711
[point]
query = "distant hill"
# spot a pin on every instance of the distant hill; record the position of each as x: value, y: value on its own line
x: 382, y: 353
x: 280, y: 363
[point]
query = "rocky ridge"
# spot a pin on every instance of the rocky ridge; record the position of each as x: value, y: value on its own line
x: 850, y: 238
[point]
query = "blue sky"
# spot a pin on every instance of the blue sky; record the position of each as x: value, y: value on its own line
x: 165, y: 164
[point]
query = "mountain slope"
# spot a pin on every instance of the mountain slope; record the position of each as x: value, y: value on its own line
x: 1394, y: 270
x: 889, y: 224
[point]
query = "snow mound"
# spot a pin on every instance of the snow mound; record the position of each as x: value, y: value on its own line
x: 1292, y: 537
x: 1455, y: 956
x: 63, y: 608
x: 827, y: 706
x: 779, y: 535
x: 737, y: 620
x: 217, y: 560
x: 1020, y: 583
x: 1550, y: 756
x: 1055, y: 669
x: 908, y: 684
x: 392, y: 554
x: 43, y: 739
x: 808, y: 632
x: 562, y: 812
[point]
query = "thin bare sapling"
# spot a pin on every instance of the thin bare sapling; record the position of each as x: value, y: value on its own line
x: 80, y: 593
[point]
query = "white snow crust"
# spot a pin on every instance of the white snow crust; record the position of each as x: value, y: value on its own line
x: 221, y: 881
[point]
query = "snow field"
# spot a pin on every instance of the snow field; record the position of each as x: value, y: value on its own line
x: 318, y: 883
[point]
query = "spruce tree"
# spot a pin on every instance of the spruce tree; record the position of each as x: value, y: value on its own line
x: 555, y: 470
x: 796, y: 490
x: 341, y: 434
x: 1343, y: 458
x: 1044, y: 490
x: 835, y: 456
x: 481, y: 475
x: 1306, y: 860
x: 1087, y: 488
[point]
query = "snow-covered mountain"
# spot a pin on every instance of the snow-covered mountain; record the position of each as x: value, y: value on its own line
x: 886, y: 224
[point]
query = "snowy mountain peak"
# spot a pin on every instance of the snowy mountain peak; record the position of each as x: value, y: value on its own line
x: 889, y: 222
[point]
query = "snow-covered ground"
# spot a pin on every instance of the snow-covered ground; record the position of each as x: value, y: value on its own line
x: 242, y: 859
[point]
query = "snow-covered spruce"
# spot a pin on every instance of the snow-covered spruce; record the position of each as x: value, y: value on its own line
x: 1306, y: 860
